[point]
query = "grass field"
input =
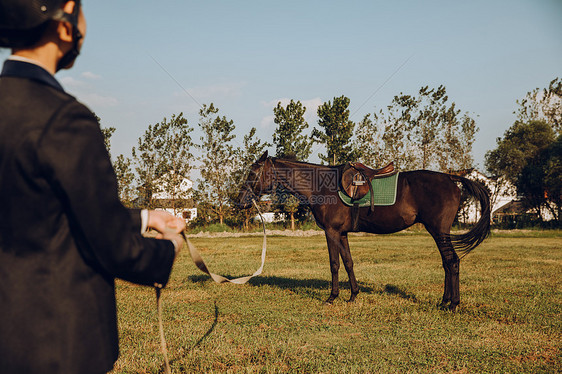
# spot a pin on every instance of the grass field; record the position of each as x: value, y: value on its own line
x: 509, y: 319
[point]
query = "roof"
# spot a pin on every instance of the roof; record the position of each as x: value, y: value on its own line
x: 512, y: 208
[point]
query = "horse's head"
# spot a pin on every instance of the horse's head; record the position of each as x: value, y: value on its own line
x: 259, y: 181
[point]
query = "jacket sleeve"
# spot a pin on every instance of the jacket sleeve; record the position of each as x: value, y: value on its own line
x: 77, y: 165
x: 136, y: 218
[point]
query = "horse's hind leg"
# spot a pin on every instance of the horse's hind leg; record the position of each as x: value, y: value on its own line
x: 348, y: 264
x: 451, y: 295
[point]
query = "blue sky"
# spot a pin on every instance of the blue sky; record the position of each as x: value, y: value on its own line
x: 142, y: 60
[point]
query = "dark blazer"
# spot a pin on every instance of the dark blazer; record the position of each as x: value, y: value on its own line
x: 64, y: 235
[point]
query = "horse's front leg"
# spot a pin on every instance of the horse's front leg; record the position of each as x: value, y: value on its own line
x: 334, y: 243
x: 348, y: 264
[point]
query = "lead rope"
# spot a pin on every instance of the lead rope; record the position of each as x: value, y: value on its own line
x: 161, y: 329
x: 198, y: 260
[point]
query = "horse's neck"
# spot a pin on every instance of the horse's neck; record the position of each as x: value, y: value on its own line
x: 287, y: 173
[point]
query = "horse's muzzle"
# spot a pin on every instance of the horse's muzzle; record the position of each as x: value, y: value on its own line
x: 244, y: 200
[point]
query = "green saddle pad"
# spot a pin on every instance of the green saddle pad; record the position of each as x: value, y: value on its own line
x: 384, y: 193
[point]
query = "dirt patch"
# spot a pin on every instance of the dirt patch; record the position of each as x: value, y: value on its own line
x: 297, y: 233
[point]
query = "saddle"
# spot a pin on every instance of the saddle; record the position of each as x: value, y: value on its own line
x: 356, y: 179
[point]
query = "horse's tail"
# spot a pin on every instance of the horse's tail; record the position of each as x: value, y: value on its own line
x: 464, y: 243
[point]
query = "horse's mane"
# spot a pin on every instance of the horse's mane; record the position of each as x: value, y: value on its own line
x: 289, y: 156
x: 293, y: 160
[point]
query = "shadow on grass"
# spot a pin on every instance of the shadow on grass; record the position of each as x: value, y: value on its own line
x: 395, y: 290
x: 188, y: 350
x: 315, y: 289
x: 310, y: 287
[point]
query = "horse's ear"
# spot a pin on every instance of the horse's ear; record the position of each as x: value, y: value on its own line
x: 263, y: 157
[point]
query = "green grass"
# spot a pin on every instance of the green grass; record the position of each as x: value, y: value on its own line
x: 509, y: 319
x: 215, y: 227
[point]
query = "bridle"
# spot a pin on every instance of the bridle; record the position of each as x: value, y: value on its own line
x: 277, y: 180
x: 259, y: 175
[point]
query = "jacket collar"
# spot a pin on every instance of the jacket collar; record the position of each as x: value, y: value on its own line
x: 29, y: 70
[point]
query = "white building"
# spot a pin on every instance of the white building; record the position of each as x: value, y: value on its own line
x: 501, y: 193
x: 184, y: 190
x: 167, y: 200
x: 503, y: 199
x: 269, y: 217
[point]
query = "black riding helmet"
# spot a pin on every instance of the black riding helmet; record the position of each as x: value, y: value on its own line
x: 22, y: 23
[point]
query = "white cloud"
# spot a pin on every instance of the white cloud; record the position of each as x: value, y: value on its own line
x: 273, y: 103
x: 83, y: 90
x: 71, y: 82
x: 312, y: 107
x: 90, y: 75
x: 266, y: 121
x: 95, y: 100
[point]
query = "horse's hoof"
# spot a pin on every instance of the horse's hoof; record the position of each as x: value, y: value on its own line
x: 443, y: 305
x: 352, y: 298
x: 330, y: 300
x: 447, y: 305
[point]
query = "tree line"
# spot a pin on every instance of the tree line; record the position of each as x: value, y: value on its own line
x: 529, y: 155
x: 424, y: 130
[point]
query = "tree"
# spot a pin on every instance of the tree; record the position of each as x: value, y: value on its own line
x: 369, y: 138
x: 290, y: 142
x: 178, y: 163
x: 545, y: 105
x: 528, y: 155
x: 337, y: 131
x: 420, y: 116
x: 218, y: 161
x: 285, y: 203
x: 540, y: 181
x: 519, y: 157
x: 163, y: 159
x: 252, y: 149
x: 521, y: 143
x: 107, y: 132
x: 125, y: 178
x: 383, y: 139
x: 421, y: 131
x: 455, y: 140
x: 122, y: 168
x: 553, y: 177
x: 288, y: 137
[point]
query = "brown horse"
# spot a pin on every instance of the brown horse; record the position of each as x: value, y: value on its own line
x: 427, y: 197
